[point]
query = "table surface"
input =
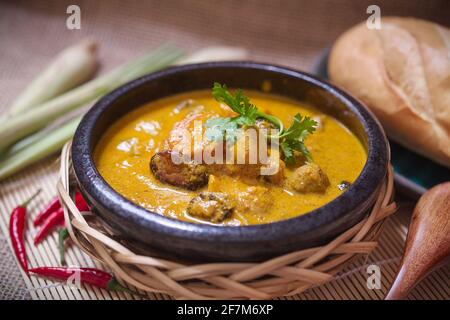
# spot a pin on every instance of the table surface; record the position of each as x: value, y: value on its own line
x: 291, y: 33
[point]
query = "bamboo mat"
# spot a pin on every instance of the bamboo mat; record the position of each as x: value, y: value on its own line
x: 33, y: 32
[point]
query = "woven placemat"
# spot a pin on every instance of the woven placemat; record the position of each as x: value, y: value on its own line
x: 291, y: 33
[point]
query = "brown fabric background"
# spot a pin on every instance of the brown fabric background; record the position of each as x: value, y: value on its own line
x: 283, y: 32
x: 292, y: 33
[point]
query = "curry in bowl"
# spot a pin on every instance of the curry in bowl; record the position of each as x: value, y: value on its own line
x: 120, y: 155
x: 317, y: 157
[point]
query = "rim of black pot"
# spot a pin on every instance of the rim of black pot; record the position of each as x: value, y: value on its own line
x: 367, y: 183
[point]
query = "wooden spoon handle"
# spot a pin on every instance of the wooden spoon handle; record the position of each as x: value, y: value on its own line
x: 428, y: 241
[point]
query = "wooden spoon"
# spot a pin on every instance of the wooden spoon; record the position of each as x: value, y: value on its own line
x: 428, y: 241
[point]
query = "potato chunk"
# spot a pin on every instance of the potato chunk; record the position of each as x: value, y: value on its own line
x: 186, y: 175
x: 211, y: 206
x: 309, y: 178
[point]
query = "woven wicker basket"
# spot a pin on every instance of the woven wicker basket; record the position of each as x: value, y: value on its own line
x: 285, y: 275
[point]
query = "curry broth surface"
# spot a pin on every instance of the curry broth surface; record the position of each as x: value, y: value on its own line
x: 123, y: 154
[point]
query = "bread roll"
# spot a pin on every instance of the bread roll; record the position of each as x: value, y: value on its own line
x: 402, y: 73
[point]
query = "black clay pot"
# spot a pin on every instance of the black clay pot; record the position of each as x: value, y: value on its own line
x: 169, y: 237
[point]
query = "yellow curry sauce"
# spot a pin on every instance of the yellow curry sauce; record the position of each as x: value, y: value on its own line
x: 123, y: 155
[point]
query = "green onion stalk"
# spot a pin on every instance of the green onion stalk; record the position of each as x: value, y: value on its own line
x: 36, y: 147
x: 70, y: 68
x: 23, y: 138
x: 19, y: 127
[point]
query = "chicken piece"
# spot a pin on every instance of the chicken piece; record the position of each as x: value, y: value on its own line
x: 189, y: 174
x: 254, y: 199
x: 274, y: 170
x: 186, y: 138
x: 194, y: 125
x: 212, y: 206
x: 278, y: 177
x: 245, y: 198
x: 309, y: 178
x: 186, y: 175
x: 248, y: 163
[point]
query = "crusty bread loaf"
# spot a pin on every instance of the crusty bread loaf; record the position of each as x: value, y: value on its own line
x: 402, y: 73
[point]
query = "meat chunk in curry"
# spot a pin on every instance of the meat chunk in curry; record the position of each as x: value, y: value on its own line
x: 194, y: 176
x: 254, y: 199
x: 253, y: 194
x: 309, y: 178
x: 243, y: 198
x: 211, y: 206
x: 186, y: 175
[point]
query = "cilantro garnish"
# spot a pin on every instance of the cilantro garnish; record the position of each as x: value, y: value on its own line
x: 293, y: 138
x: 290, y: 139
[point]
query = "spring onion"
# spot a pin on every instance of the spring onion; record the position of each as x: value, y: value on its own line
x: 215, y: 54
x: 38, y: 117
x: 72, y: 67
x: 50, y: 139
x: 40, y: 148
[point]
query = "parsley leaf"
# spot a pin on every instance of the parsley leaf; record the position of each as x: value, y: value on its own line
x: 239, y: 103
x: 300, y: 128
x: 289, y: 146
x: 293, y: 138
x: 290, y: 139
x: 288, y: 152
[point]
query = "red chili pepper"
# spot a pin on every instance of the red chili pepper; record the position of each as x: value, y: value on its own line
x: 55, y: 219
x: 17, y: 229
x: 44, y: 214
x: 80, y: 202
x: 52, y: 217
x: 55, y: 204
x: 92, y: 276
x: 61, y: 223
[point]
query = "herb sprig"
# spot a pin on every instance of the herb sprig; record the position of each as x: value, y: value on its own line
x: 247, y: 112
x: 291, y: 139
